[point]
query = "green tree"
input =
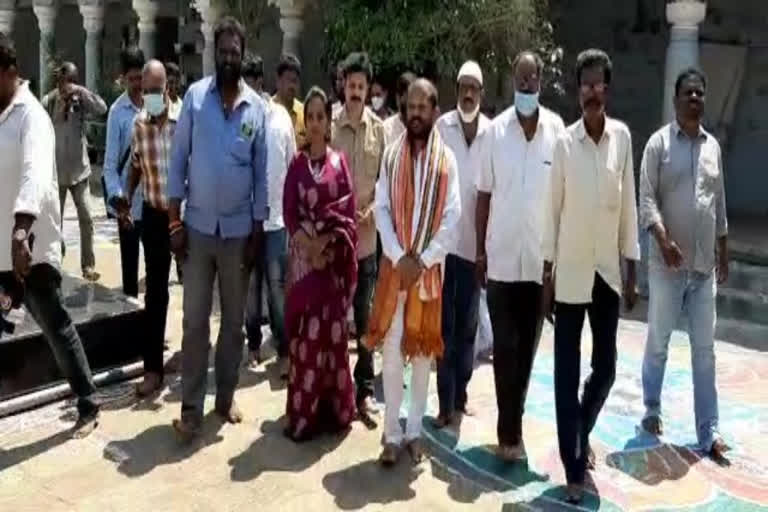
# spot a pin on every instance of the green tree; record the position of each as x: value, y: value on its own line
x: 434, y: 37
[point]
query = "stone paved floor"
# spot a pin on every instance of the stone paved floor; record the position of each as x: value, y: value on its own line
x: 133, y: 463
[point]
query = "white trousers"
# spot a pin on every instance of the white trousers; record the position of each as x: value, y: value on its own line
x: 392, y: 373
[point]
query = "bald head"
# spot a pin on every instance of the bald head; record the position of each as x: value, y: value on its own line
x: 422, y: 102
x: 153, y: 76
x: 527, y: 69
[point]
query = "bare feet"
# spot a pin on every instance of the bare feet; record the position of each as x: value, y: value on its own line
x: 511, y: 453
x: 466, y: 411
x: 232, y: 415
x: 442, y: 421
x: 416, y: 451
x: 389, y: 455
x: 90, y: 274
x: 574, y: 493
x: 185, y: 430
x: 591, y: 459
x: 653, y: 425
x: 284, y: 366
x: 254, y: 358
x: 85, y: 425
x: 152, y: 383
x: 366, y: 409
x: 718, y: 450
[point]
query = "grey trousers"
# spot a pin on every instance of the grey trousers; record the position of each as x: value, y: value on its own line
x: 80, y: 193
x: 209, y: 257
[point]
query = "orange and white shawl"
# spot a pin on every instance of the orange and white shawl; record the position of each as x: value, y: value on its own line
x: 422, y: 334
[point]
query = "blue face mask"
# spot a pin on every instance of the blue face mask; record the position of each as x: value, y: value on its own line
x: 154, y: 104
x: 526, y: 103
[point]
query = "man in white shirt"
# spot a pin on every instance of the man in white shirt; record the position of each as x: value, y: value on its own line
x: 30, y: 240
x: 281, y: 147
x: 512, y: 187
x: 417, y: 177
x: 464, y: 130
x: 591, y: 226
x: 394, y: 125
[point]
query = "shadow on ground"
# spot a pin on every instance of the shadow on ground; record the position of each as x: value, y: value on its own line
x: 158, y: 446
x: 275, y: 452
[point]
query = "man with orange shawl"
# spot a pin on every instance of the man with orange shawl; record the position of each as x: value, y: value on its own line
x: 417, y: 206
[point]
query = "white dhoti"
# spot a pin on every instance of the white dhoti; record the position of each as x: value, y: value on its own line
x: 392, y: 373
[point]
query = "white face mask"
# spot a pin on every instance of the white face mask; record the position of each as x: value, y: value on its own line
x: 377, y: 102
x: 470, y: 117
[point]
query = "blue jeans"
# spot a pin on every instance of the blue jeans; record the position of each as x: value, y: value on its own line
x: 671, y: 293
x: 461, y: 301
x: 274, y: 263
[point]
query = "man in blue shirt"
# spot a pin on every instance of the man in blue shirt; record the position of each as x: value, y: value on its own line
x: 218, y: 165
x: 119, y: 136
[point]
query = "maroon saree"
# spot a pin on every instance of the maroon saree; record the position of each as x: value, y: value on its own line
x: 319, y: 199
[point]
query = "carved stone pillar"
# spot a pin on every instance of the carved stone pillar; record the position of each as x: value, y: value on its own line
x: 93, y: 23
x: 291, y: 23
x: 147, y: 12
x: 210, y: 15
x: 7, y: 16
x: 45, y: 12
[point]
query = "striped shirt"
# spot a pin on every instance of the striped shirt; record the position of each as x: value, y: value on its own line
x: 150, y: 158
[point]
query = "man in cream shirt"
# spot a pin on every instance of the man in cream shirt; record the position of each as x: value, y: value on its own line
x: 592, y: 224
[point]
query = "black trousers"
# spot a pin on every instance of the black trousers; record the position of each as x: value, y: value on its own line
x: 367, y: 270
x: 516, y: 321
x: 44, y: 301
x: 157, y: 261
x: 576, y: 418
x: 129, y: 258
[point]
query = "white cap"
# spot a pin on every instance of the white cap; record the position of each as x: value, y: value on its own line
x: 471, y: 69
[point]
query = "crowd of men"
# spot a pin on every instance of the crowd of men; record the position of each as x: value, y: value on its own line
x: 543, y: 216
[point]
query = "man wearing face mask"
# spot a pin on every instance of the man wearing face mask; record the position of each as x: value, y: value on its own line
x: 358, y: 132
x: 379, y: 96
x: 394, y: 125
x: 465, y: 131
x: 591, y: 224
x: 218, y: 164
x: 512, y: 186
x: 150, y: 157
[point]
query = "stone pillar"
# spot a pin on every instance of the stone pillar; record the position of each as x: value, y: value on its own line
x: 291, y: 23
x: 147, y: 12
x: 7, y: 16
x: 683, y: 49
x: 46, y: 18
x: 93, y: 23
x: 210, y: 15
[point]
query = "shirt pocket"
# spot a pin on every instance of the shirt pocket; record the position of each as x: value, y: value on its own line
x: 609, y: 186
x: 240, y: 150
x: 708, y: 178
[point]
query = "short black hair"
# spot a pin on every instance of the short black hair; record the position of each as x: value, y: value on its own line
x: 358, y: 62
x: 132, y: 58
x: 289, y: 62
x: 7, y: 52
x: 378, y: 79
x: 430, y: 89
x: 172, y: 69
x: 253, y: 68
x: 594, y: 58
x: 229, y: 26
x: 404, y: 82
x: 529, y: 53
x: 689, y: 73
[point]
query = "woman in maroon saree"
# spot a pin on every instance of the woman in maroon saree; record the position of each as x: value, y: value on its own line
x: 319, y: 212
